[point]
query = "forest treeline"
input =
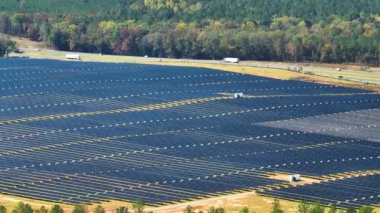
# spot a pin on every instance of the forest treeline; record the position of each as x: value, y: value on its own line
x: 286, y: 30
x: 152, y: 11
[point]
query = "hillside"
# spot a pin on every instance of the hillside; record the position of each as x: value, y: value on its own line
x: 280, y: 30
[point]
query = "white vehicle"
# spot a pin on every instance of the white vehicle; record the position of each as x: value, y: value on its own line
x: 72, y: 56
x: 231, y: 60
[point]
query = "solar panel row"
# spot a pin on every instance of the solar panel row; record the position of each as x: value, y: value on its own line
x: 78, y: 132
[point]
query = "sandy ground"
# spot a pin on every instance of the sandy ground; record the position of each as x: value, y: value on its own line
x: 233, y: 203
x: 10, y: 202
x: 303, y: 181
x: 26, y: 43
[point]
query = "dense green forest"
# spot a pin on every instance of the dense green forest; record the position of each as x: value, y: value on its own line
x: 150, y: 11
x: 281, y: 30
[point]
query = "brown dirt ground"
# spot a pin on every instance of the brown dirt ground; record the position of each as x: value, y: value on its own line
x: 285, y: 177
x: 26, y: 43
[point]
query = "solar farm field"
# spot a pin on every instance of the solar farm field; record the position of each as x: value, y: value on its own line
x: 78, y: 132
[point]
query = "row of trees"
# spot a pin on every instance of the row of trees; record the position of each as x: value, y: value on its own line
x: 303, y: 207
x: 139, y: 207
x: 286, y: 38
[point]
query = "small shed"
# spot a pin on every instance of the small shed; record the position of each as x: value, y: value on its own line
x: 238, y: 95
x: 295, y: 178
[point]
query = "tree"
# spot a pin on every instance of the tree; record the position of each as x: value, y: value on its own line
x: 99, y: 209
x: 5, y: 24
x: 19, y: 22
x: 317, y: 208
x: 56, y: 209
x: 244, y: 210
x: 351, y: 210
x: 80, y: 209
x: 139, y: 206
x: 6, y: 46
x: 3, y: 209
x: 216, y: 210
x: 122, y: 209
x: 22, y: 208
x: 366, y: 209
x: 60, y: 39
x: 188, y: 209
x: 333, y: 209
x: 42, y: 210
x: 303, y: 207
x: 276, y: 207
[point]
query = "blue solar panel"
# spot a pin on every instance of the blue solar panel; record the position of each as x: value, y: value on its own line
x: 81, y: 132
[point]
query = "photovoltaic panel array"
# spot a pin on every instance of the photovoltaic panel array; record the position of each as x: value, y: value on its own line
x: 81, y: 132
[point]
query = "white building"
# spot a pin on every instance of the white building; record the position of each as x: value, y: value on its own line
x: 295, y: 178
x: 238, y: 95
x: 72, y: 56
x: 231, y: 60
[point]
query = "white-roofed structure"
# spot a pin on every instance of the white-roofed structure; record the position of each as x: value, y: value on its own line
x: 72, y: 56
